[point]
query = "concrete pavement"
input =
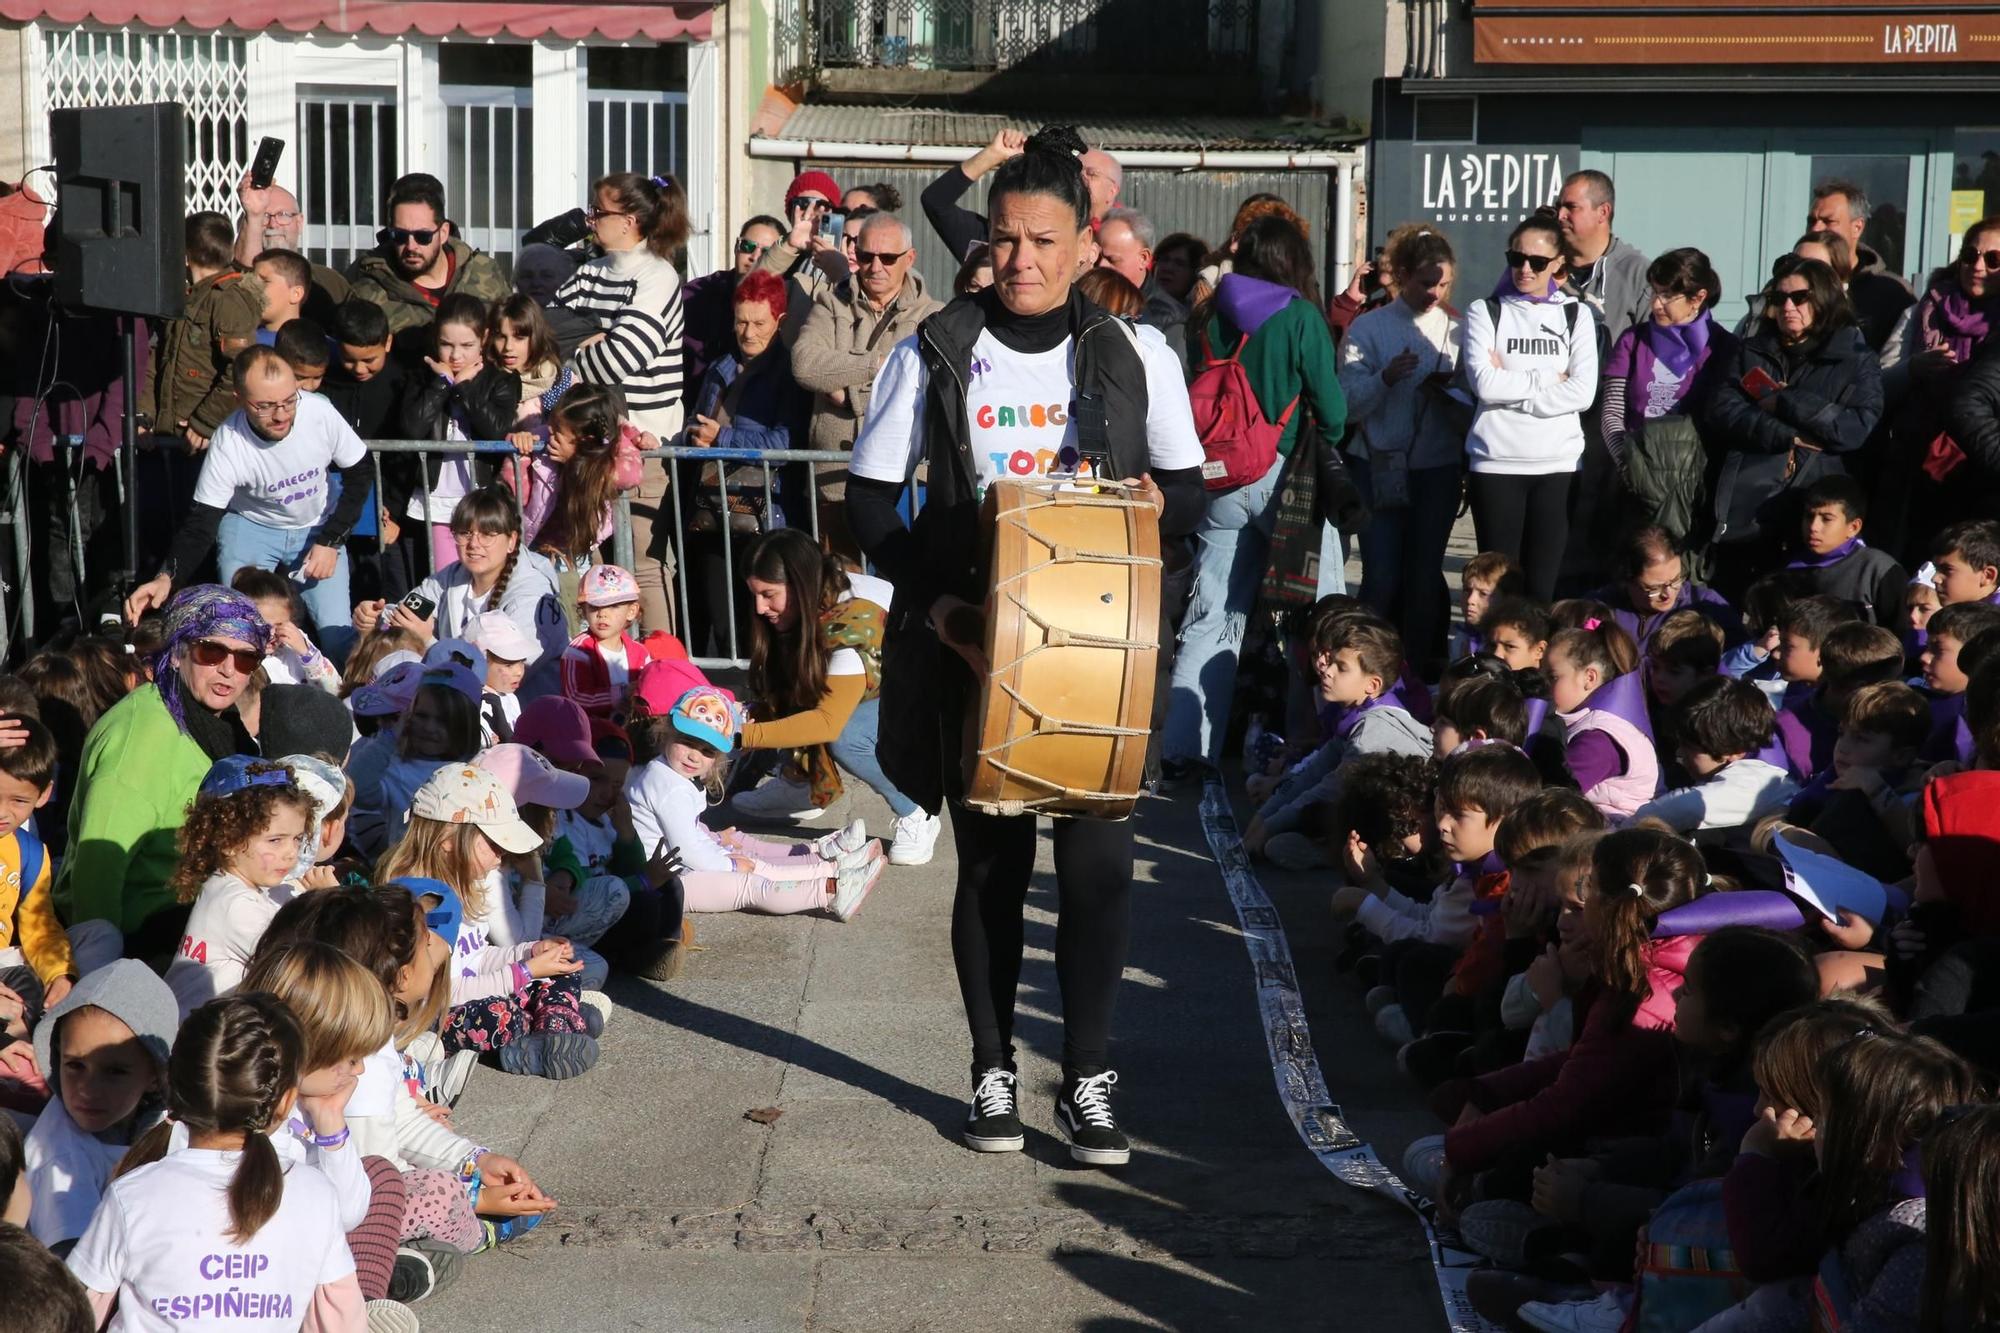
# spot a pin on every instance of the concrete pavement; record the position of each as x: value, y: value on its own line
x: 857, y: 1208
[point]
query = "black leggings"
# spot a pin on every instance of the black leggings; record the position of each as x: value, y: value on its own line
x: 1526, y: 519
x: 996, y: 859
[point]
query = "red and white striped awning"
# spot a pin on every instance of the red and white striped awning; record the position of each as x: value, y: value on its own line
x: 609, y: 20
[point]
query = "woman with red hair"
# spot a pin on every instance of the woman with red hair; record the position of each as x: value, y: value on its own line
x: 747, y: 400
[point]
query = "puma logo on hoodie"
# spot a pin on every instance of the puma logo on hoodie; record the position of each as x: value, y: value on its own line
x: 1528, y: 422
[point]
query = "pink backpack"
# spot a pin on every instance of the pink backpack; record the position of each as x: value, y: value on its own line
x: 1241, y: 443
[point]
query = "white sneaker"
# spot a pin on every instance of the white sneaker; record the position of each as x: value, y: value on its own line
x: 1606, y: 1314
x: 838, y: 845
x: 780, y: 798
x: 392, y: 1317
x: 916, y: 838
x: 426, y: 1051
x: 454, y: 1072
x: 851, y: 888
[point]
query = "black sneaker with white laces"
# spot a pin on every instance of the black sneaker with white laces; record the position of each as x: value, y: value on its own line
x: 1084, y: 1111
x: 993, y: 1122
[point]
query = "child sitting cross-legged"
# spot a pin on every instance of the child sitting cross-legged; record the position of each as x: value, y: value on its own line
x: 729, y: 871
x: 1967, y: 560
x: 1725, y: 726
x: 1838, y: 562
x: 1805, y: 727
x: 1738, y: 979
x: 1466, y: 1031
x: 1619, y: 1077
x: 1686, y: 650
x: 1477, y: 788
x: 1594, y: 687
x: 1359, y: 660
x: 1945, y: 676
x: 1863, y: 802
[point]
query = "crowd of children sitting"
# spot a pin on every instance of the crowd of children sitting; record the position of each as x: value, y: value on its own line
x: 258, y: 1131
x: 1687, y: 922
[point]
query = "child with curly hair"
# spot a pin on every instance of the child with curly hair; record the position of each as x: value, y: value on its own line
x: 240, y: 844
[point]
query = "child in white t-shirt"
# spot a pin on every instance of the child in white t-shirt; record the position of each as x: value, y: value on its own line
x: 239, y: 846
x: 223, y: 1235
x: 601, y: 663
x: 730, y: 871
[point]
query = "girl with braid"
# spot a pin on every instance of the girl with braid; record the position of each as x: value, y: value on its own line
x: 492, y: 573
x: 223, y: 1233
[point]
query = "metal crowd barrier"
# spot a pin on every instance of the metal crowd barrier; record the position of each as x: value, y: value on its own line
x: 678, y: 498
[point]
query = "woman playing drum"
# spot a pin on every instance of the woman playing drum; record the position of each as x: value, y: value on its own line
x: 816, y: 673
x: 1024, y: 378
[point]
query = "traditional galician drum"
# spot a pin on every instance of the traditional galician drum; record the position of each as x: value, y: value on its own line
x: 1072, y: 634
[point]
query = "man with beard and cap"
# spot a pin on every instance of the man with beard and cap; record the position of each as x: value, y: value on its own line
x: 539, y: 270
x: 272, y: 221
x: 142, y: 763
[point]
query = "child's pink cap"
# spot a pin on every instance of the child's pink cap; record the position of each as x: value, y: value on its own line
x: 661, y: 684
x: 607, y: 585
x: 559, y: 728
x: 531, y: 779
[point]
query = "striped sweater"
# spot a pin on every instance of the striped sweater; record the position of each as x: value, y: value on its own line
x: 634, y: 297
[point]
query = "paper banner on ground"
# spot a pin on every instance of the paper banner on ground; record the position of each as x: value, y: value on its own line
x: 1295, y: 1066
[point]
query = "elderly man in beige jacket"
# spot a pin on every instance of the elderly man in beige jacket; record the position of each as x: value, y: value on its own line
x: 844, y: 341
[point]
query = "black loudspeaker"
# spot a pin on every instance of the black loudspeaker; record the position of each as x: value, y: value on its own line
x: 120, y: 242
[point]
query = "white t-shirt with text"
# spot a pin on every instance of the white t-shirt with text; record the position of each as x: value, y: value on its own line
x: 1019, y: 410
x: 160, y: 1240
x: 278, y: 483
x: 222, y: 932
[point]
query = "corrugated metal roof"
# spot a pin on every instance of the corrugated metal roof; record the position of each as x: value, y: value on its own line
x: 897, y: 125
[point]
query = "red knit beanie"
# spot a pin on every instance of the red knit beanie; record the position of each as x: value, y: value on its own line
x: 817, y: 181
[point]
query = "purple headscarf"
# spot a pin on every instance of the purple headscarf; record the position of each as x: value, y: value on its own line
x: 205, y: 611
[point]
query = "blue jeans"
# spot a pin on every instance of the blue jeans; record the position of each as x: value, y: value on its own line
x: 1230, y: 549
x: 854, y: 750
x: 243, y: 541
x: 1402, y: 556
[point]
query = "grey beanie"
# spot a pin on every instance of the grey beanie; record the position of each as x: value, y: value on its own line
x: 304, y: 719
x: 130, y: 992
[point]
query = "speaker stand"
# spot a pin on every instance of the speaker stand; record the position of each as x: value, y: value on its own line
x: 128, y: 577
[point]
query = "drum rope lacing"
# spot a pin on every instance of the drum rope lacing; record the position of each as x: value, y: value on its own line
x: 1058, y: 637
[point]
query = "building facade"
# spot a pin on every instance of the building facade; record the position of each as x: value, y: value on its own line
x: 516, y: 108
x: 1715, y: 122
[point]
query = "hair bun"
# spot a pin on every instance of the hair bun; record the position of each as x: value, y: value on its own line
x: 1059, y: 140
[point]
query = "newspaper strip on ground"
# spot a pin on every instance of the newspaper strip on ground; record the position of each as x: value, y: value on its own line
x: 1301, y: 1086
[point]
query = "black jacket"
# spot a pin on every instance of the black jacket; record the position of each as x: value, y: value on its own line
x: 1832, y: 398
x: 957, y: 226
x: 1870, y: 581
x: 925, y: 687
x: 1972, y: 416
x: 485, y: 407
x: 1879, y: 297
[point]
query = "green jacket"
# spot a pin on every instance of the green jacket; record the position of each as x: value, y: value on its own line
x: 375, y: 277
x: 139, y: 772
x: 1291, y: 355
x: 188, y: 381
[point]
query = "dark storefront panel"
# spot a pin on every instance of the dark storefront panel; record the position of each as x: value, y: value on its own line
x: 1732, y: 175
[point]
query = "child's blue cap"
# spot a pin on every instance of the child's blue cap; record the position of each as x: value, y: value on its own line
x: 707, y: 714
x: 232, y: 774
x: 444, y: 917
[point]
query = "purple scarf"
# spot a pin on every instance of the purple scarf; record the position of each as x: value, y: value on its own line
x: 1622, y: 697
x: 1507, y: 291
x: 1833, y: 557
x: 1678, y: 347
x: 1950, y: 319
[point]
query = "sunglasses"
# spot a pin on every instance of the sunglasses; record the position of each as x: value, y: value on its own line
x: 596, y: 214
x: 886, y: 258
x: 1537, y: 263
x: 1798, y: 296
x: 1992, y: 258
x: 398, y: 235
x: 208, y: 653
x: 746, y: 246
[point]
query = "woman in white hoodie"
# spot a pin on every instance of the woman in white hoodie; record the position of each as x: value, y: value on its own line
x: 1531, y: 361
